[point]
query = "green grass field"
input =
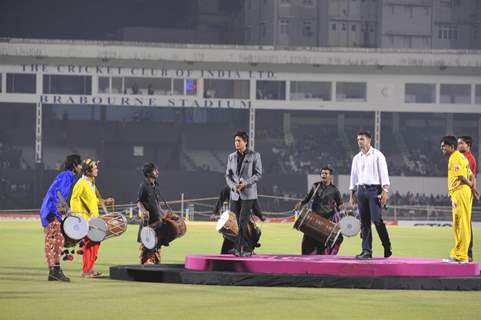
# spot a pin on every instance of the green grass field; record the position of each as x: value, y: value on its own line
x: 25, y: 293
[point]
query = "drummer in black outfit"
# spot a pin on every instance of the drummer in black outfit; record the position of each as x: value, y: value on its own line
x: 327, y: 201
x: 148, y: 203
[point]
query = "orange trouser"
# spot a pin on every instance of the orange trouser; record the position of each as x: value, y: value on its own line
x: 90, y: 249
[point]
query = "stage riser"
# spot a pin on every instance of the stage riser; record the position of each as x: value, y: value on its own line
x: 177, y: 274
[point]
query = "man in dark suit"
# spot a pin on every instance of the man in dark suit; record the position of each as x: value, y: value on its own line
x: 244, y: 169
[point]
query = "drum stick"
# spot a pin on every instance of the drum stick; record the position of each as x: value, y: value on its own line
x: 313, y: 195
x: 102, y: 204
x: 62, y: 203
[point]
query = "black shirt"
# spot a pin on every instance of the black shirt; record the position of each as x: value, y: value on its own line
x: 240, y: 158
x: 326, y: 200
x: 149, y: 196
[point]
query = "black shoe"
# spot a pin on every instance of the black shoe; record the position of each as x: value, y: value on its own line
x: 364, y: 256
x: 56, y: 274
x: 247, y: 253
x: 237, y: 253
x: 387, y: 252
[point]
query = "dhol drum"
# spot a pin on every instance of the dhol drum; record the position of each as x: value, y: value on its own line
x: 163, y: 232
x: 350, y: 226
x: 74, y: 228
x: 317, y: 227
x: 106, y: 226
x: 228, y: 227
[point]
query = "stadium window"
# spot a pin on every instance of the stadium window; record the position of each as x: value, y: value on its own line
x: 148, y: 86
x: 262, y: 27
x: 455, y: 93
x: 178, y: 87
x: 310, y: 90
x: 284, y: 26
x: 63, y: 84
x: 190, y: 87
x: 104, y: 85
x: 353, y: 27
x: 446, y: 3
x: 454, y: 32
x: 117, y: 85
x: 351, y: 91
x: 21, y: 83
x: 343, y: 27
x: 333, y: 27
x: 308, y: 3
x: 1, y: 78
x: 226, y: 89
x: 477, y: 95
x: 419, y: 93
x: 270, y: 90
x: 307, y: 28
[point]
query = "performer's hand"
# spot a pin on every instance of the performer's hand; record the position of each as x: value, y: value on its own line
x: 109, y: 201
x: 476, y: 193
x: 352, y: 201
x: 62, y: 210
x: 241, y: 185
x: 383, y: 199
x: 297, y: 206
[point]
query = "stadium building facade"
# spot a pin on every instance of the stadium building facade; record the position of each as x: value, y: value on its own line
x: 178, y: 105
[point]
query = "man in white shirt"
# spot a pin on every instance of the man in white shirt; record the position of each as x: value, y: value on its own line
x: 369, y: 187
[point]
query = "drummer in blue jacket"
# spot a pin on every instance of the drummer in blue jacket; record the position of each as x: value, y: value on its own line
x: 51, y: 215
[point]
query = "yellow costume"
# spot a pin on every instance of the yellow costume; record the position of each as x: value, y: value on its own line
x: 84, y: 199
x: 461, y: 199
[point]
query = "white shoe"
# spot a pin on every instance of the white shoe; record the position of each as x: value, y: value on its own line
x: 454, y: 260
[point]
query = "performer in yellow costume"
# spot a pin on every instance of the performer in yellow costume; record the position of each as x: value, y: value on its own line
x: 85, y: 201
x: 460, y: 191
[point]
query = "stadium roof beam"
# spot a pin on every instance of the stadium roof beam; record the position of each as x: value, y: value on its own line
x: 109, y: 50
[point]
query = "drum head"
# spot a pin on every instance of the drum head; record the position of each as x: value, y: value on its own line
x: 350, y: 226
x: 148, y: 237
x: 222, y: 220
x: 75, y: 227
x: 97, y: 230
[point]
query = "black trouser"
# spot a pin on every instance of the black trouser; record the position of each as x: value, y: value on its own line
x: 312, y: 246
x: 227, y: 246
x: 242, y: 210
x: 370, y: 210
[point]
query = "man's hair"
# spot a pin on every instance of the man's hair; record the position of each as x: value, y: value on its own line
x: 148, y: 168
x: 364, y: 133
x: 467, y: 139
x: 71, y: 161
x: 328, y: 168
x: 243, y: 135
x: 450, y: 141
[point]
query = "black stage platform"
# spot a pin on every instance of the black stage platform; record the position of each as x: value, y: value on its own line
x: 176, y: 273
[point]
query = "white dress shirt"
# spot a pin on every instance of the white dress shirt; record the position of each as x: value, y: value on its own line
x: 369, y: 168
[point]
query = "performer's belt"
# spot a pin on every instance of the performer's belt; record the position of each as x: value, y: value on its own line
x: 369, y: 186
